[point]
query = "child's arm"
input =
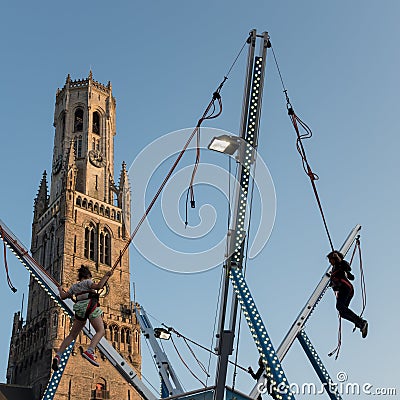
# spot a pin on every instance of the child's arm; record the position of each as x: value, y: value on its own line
x: 103, y: 280
x: 63, y: 294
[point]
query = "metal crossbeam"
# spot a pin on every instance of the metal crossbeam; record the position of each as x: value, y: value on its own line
x: 314, y: 299
x: 49, y: 286
x: 274, y: 371
x: 55, y: 379
x: 170, y: 385
x: 318, y: 366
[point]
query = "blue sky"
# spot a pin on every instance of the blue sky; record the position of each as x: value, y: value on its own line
x: 340, y: 64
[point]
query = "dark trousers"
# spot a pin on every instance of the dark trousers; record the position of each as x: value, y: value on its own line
x: 344, y: 296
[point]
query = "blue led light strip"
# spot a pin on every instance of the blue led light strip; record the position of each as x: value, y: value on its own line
x: 27, y: 261
x: 52, y: 386
x: 251, y: 139
x: 275, y: 374
x: 318, y: 366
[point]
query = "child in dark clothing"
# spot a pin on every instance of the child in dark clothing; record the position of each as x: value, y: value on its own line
x: 340, y: 283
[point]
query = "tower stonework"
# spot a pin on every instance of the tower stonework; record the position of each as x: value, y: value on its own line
x: 84, y: 220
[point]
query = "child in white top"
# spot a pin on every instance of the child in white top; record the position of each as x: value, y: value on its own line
x: 86, y: 306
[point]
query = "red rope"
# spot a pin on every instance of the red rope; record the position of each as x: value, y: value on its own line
x: 307, y: 168
x: 150, y: 206
x: 339, y: 345
x: 11, y: 286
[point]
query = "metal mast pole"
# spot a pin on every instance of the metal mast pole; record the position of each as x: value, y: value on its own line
x: 236, y: 235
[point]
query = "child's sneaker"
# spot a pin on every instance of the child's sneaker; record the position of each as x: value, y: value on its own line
x: 364, y: 329
x: 90, y: 357
x: 56, y: 362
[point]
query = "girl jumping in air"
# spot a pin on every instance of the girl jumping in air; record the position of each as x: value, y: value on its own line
x: 86, y: 306
x: 340, y: 283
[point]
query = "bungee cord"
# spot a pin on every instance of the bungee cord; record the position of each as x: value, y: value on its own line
x: 205, y: 116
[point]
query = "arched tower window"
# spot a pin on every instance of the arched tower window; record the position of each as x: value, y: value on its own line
x: 100, y: 391
x: 55, y: 320
x: 105, y: 247
x: 78, y: 146
x: 95, y: 144
x: 62, y: 128
x: 89, y: 250
x: 78, y: 120
x: 114, y: 334
x: 44, y: 249
x: 96, y: 123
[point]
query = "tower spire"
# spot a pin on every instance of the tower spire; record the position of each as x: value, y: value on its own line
x: 123, y: 177
x: 42, y: 200
x: 124, y: 199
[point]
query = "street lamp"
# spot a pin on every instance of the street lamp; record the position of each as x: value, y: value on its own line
x: 225, y: 144
x: 162, y: 333
x: 228, y: 144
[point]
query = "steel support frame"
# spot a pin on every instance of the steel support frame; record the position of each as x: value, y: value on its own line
x: 251, y: 112
x: 309, y: 307
x: 225, y: 336
x: 318, y: 366
x: 170, y: 384
x: 48, y: 285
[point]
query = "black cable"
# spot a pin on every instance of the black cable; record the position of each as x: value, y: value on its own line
x: 200, y: 364
x: 237, y: 57
x: 199, y: 345
x: 185, y: 364
x: 209, y: 116
x: 215, y: 325
x: 279, y: 70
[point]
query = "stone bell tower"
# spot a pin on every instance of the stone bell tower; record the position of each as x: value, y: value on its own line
x: 84, y: 220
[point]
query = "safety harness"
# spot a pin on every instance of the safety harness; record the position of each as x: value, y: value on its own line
x: 92, y: 305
